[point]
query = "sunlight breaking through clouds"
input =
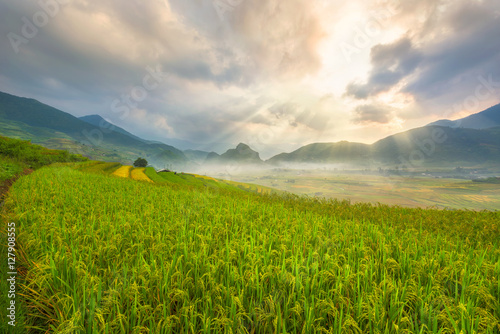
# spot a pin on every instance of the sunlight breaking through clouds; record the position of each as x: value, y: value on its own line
x: 233, y: 64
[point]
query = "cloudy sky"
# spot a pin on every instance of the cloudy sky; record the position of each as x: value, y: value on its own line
x: 273, y: 74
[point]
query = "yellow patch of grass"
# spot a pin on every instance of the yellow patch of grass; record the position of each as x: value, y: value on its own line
x: 138, y: 174
x: 205, y: 177
x: 123, y: 171
x: 479, y: 198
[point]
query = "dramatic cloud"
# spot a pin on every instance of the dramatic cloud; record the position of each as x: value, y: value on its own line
x: 456, y: 59
x: 391, y: 63
x: 373, y: 114
x: 274, y: 74
x: 441, y: 60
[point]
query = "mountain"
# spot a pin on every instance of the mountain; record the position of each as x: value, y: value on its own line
x: 426, y: 146
x: 242, y: 154
x: 325, y: 153
x: 98, y: 121
x: 434, y: 145
x: 96, y: 138
x: 488, y: 118
x: 29, y: 119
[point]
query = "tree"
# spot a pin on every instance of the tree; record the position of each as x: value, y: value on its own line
x: 140, y: 162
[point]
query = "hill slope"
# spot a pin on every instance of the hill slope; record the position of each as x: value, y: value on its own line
x: 426, y: 146
x: 433, y: 145
x: 326, y: 153
x: 100, y: 122
x: 29, y: 119
x: 486, y: 119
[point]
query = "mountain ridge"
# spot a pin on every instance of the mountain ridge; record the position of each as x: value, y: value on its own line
x: 488, y: 118
x: 430, y: 145
x: 30, y: 119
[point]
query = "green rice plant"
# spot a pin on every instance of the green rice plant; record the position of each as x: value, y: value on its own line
x: 135, y: 257
x: 99, y: 167
x: 123, y: 171
x: 138, y: 174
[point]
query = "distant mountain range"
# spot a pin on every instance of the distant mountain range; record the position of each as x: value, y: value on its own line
x: 486, y: 119
x: 427, y: 146
x: 474, y: 140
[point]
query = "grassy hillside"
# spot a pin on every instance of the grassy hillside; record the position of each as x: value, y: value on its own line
x: 29, y: 119
x: 18, y: 155
x: 133, y: 257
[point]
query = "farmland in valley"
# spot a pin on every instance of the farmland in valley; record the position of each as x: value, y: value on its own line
x: 416, y: 191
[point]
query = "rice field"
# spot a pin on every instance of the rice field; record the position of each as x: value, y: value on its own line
x: 138, y: 174
x: 138, y: 257
x: 123, y: 171
x: 422, y: 192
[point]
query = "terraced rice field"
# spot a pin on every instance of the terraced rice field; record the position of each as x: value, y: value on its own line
x: 123, y: 171
x: 137, y: 257
x: 138, y: 174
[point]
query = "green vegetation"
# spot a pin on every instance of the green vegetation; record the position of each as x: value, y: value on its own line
x: 9, y: 168
x: 33, y: 156
x: 199, y: 181
x: 98, y: 167
x: 184, y: 258
x: 140, y: 162
x: 18, y: 157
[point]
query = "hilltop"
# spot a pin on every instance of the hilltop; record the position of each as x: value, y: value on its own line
x: 242, y: 154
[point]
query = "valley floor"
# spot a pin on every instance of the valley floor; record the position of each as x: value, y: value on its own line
x: 416, y: 192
